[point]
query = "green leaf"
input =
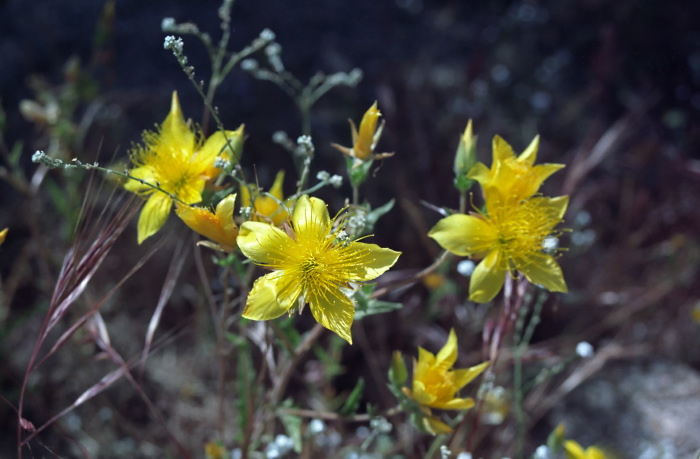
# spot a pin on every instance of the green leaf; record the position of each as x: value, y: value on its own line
x: 376, y: 214
x: 353, y: 401
x: 292, y: 424
x: 357, y: 173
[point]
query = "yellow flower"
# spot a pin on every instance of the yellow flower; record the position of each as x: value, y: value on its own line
x: 174, y: 160
x: 436, y: 384
x: 313, y: 262
x: 575, y: 451
x: 214, y: 450
x: 270, y: 209
x: 512, y: 179
x: 217, y: 226
x: 510, y: 237
x: 366, y: 140
x: 3, y: 235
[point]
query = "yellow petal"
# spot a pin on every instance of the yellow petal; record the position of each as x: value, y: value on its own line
x: 369, y: 261
x: 3, y: 235
x: 276, y: 189
x: 480, y: 173
x: 334, y: 310
x: 144, y: 173
x: 543, y: 270
x: 487, y: 279
x: 219, y: 227
x: 153, y: 215
x: 463, y: 234
x: 174, y: 130
x: 213, y: 147
x: 435, y: 426
x: 263, y: 243
x: 558, y: 205
x: 574, y: 450
x: 501, y: 150
x: 530, y: 154
x: 448, y: 354
x: 310, y: 217
x: 263, y: 301
x: 363, y: 147
x: 455, y: 404
x: 462, y: 377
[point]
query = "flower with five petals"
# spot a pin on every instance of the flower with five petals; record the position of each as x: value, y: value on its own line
x: 312, y: 262
x: 177, y: 162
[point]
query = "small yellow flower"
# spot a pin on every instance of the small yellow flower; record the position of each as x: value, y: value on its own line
x: 436, y: 383
x: 366, y: 140
x: 177, y: 162
x: 268, y: 207
x: 3, y: 235
x: 217, y: 226
x: 214, y: 450
x: 313, y: 262
x: 509, y: 237
x: 575, y: 451
x: 512, y: 179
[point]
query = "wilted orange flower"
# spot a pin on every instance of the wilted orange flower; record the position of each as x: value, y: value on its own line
x: 217, y: 226
x: 366, y: 140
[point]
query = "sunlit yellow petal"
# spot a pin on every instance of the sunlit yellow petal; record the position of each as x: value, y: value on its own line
x: 144, y: 173
x: 501, y: 149
x: 334, y: 310
x: 448, y: 354
x: 465, y: 376
x: 276, y: 188
x: 574, y: 450
x: 153, y: 215
x: 487, y: 279
x: 363, y: 147
x: 435, y: 426
x: 480, y: 173
x: 215, y: 146
x: 310, y: 216
x: 530, y: 154
x: 3, y: 235
x: 263, y: 243
x: 463, y: 234
x: 174, y: 130
x: 543, y: 270
x: 263, y: 302
x: 369, y: 261
x: 455, y: 404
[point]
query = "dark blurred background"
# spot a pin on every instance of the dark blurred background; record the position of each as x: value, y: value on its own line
x: 613, y: 89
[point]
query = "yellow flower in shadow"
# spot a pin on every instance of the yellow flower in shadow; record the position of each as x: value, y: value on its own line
x: 313, y: 262
x: 512, y: 179
x: 217, y: 226
x: 266, y: 207
x: 575, y: 451
x: 366, y: 140
x: 436, y: 384
x: 177, y: 162
x: 509, y: 237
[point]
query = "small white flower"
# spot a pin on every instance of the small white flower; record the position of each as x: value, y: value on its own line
x: 336, y: 181
x: 466, y: 267
x: 584, y: 350
x: 316, y: 426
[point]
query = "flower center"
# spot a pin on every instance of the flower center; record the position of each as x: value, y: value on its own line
x: 522, y: 228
